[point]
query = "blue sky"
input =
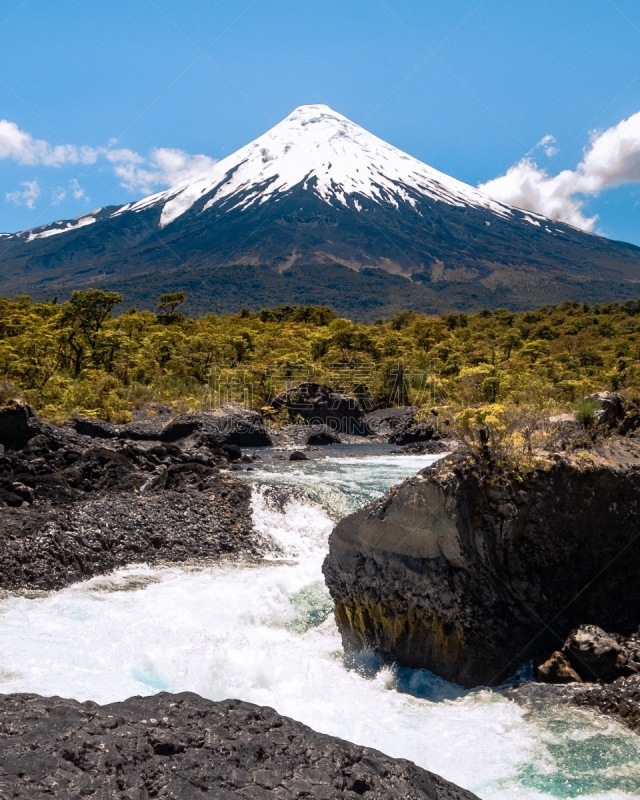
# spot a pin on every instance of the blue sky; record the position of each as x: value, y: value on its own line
x: 104, y: 102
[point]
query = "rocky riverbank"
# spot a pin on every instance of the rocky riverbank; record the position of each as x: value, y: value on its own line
x: 620, y: 699
x: 599, y: 670
x: 470, y: 570
x: 87, y: 498
x: 170, y: 746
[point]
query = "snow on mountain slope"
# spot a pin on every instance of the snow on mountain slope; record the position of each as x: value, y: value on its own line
x: 324, y: 152
x: 81, y: 222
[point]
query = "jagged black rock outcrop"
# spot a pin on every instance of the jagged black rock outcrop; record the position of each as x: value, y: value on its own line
x: 620, y: 699
x: 323, y: 405
x: 232, y: 424
x: 591, y: 654
x: 182, y: 746
x: 469, y: 572
x: 74, y: 505
x: 389, y: 421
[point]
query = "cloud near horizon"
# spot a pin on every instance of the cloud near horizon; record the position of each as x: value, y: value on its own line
x: 165, y: 166
x: 27, y: 195
x: 611, y: 159
x: 162, y: 168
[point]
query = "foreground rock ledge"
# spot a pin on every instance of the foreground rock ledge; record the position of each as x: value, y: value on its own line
x: 469, y: 573
x: 74, y: 505
x: 182, y: 746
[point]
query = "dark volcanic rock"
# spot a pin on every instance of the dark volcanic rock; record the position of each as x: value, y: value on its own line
x: 419, y: 432
x: 182, y: 746
x: 557, y: 669
x: 17, y: 425
x: 593, y: 655
x: 142, y: 430
x: 322, y: 435
x: 596, y: 655
x: 297, y: 455
x: 72, y: 509
x: 469, y: 571
x: 399, y: 426
x: 322, y: 405
x: 620, y: 699
x: 431, y: 447
x: 299, y: 436
x: 44, y: 548
x: 387, y: 421
x: 96, y: 428
x: 233, y: 425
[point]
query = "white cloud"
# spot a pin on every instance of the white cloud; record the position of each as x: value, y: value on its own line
x: 58, y: 195
x: 165, y: 167
x: 162, y: 168
x: 548, y: 144
x: 611, y: 159
x: 23, y: 148
x: 26, y: 196
x: 73, y: 188
x: 76, y: 190
x: 528, y: 186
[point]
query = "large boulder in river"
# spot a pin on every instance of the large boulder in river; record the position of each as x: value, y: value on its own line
x: 593, y: 655
x: 322, y: 435
x: 388, y: 421
x: 469, y: 571
x: 321, y: 405
x: 182, y: 746
x: 231, y: 424
x: 400, y: 426
x: 596, y: 655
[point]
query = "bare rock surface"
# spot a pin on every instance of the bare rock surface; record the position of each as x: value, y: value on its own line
x: 590, y: 654
x: 182, y: 746
x: 388, y: 421
x: 469, y: 570
x: 620, y: 699
x: 322, y: 405
x: 74, y: 505
x: 231, y: 424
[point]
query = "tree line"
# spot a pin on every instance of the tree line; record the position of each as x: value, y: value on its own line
x: 86, y: 356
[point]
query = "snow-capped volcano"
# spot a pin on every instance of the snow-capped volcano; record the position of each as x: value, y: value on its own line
x: 319, y: 210
x: 320, y: 151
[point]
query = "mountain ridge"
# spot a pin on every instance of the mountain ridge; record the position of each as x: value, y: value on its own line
x: 318, y: 197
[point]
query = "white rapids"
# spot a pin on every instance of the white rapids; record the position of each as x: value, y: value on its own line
x: 266, y: 635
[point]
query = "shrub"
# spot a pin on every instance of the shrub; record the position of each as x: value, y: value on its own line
x: 585, y: 411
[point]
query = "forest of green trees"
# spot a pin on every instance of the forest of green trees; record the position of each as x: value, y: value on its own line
x: 88, y: 356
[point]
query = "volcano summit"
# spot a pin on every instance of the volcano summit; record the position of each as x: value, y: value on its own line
x: 319, y: 210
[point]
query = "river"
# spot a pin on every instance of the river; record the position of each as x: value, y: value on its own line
x: 266, y: 634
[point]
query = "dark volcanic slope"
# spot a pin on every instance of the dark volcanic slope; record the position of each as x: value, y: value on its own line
x: 181, y: 746
x: 362, y: 227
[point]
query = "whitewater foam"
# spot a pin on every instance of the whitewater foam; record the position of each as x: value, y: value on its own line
x: 267, y: 635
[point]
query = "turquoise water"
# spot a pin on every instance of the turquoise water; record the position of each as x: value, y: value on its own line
x: 266, y: 634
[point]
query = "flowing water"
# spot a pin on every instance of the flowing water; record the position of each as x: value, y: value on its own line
x: 266, y: 634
